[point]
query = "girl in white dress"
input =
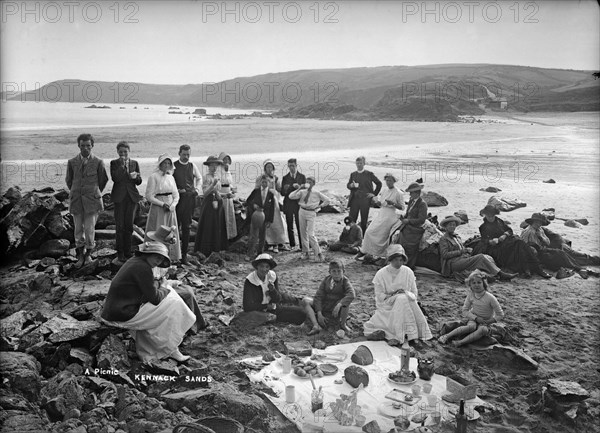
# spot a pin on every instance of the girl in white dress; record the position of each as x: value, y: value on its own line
x: 398, y: 313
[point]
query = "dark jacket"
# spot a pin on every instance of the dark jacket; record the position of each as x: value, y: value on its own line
x: 450, y: 249
x: 124, y: 186
x: 253, y: 296
x: 352, y: 236
x: 491, y: 230
x: 327, y: 298
x: 85, y: 185
x: 365, y: 181
x: 287, y: 183
x: 255, y: 198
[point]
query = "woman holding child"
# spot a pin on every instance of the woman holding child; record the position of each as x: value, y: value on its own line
x: 398, y: 313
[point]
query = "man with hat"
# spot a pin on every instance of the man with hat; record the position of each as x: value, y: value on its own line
x: 398, y: 314
x: 552, y: 258
x: 361, y: 192
x: 508, y: 251
x: 188, y: 180
x: 411, y: 224
x: 262, y: 293
x: 260, y: 210
x: 457, y: 260
x: 291, y: 182
x: 350, y: 238
x: 86, y: 178
x: 156, y: 316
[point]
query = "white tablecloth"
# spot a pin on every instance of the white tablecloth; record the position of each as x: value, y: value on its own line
x: 387, y: 360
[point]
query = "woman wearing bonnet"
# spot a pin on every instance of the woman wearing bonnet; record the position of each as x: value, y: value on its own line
x: 163, y: 196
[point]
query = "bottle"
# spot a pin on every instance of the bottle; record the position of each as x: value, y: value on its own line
x: 461, y: 419
x: 405, y: 355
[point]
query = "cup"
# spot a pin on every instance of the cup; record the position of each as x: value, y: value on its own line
x: 286, y: 364
x: 290, y: 393
x: 432, y: 400
x: 133, y: 174
x: 427, y: 388
x: 416, y: 390
x: 436, y: 417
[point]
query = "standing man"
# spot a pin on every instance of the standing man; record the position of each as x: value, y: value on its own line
x: 290, y: 183
x: 361, y: 192
x: 125, y: 174
x: 86, y: 178
x: 188, y: 179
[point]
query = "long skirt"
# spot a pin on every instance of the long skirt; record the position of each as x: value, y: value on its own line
x: 461, y: 267
x: 276, y: 233
x: 410, y: 239
x: 157, y: 217
x: 402, y: 318
x: 158, y: 330
x: 212, y: 231
x: 513, y: 253
x: 230, y: 223
x: 377, y: 237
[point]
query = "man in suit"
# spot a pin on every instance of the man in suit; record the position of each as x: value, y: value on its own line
x: 361, y: 192
x: 290, y: 183
x: 411, y: 228
x: 188, y: 179
x: 86, y: 178
x: 125, y: 174
x: 260, y: 211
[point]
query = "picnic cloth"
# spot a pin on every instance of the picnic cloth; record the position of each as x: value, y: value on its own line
x: 371, y: 398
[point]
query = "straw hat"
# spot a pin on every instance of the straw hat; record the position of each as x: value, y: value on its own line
x: 413, y: 187
x: 451, y: 218
x: 212, y: 160
x: 489, y: 210
x: 222, y: 157
x: 264, y: 257
x: 164, y: 157
x: 538, y: 217
x: 391, y: 176
x: 156, y: 248
x: 395, y: 250
x: 164, y: 234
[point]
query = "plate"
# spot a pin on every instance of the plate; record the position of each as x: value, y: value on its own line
x: 389, y: 411
x: 328, y: 369
x: 401, y: 383
x: 470, y: 411
x: 333, y: 357
x: 306, y: 377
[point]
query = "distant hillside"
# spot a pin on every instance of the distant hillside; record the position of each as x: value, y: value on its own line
x: 432, y: 92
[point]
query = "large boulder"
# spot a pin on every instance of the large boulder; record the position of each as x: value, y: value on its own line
x: 506, y: 204
x: 113, y: 354
x: 54, y: 248
x: 84, y: 291
x: 21, y: 374
x: 433, y: 199
x: 65, y: 328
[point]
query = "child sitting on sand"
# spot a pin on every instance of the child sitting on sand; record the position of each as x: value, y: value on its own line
x: 334, y: 296
x: 481, y: 308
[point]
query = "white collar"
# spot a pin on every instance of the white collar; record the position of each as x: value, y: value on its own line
x: 360, y: 171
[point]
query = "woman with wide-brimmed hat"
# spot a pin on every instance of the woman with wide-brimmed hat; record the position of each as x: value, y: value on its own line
x: 498, y: 241
x: 552, y: 258
x: 262, y: 293
x: 377, y: 237
x: 163, y: 196
x: 211, y: 235
x: 411, y: 224
x: 457, y: 260
x: 398, y: 314
x: 227, y: 191
x: 156, y: 315
x: 276, y: 234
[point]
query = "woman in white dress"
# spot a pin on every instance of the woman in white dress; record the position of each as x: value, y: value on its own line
x: 227, y: 192
x: 398, y: 313
x: 163, y: 196
x: 276, y: 234
x: 376, y: 239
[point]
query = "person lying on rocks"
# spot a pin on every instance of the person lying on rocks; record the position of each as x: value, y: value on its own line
x: 333, y: 298
x: 155, y: 315
x: 350, y: 238
x: 398, y: 314
x: 552, y: 258
x: 481, y: 309
x: 262, y: 293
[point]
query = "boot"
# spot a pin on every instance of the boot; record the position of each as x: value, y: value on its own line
x: 87, y: 257
x: 505, y: 276
x: 80, y: 259
x: 538, y: 270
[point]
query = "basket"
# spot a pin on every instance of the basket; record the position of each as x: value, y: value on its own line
x: 222, y: 424
x: 465, y: 390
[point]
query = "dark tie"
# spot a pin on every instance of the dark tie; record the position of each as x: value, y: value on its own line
x: 307, y: 194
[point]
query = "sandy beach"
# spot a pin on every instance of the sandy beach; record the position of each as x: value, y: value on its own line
x: 554, y: 321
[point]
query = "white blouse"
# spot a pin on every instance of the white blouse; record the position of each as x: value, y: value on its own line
x: 159, y: 183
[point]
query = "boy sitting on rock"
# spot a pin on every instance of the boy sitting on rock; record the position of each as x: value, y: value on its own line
x: 334, y: 296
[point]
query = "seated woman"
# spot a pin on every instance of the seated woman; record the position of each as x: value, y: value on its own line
x: 457, y: 260
x: 350, y: 238
x: 552, y: 258
x: 398, y: 313
x: 156, y: 316
x: 261, y: 293
x: 498, y: 241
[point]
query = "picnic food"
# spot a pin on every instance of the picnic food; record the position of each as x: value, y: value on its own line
x: 267, y: 357
x: 356, y: 375
x: 402, y: 376
x: 362, y: 356
x: 328, y: 369
x: 304, y: 369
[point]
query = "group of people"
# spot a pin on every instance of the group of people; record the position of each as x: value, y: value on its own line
x: 159, y: 312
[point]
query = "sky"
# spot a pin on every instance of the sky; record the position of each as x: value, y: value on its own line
x: 182, y: 42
